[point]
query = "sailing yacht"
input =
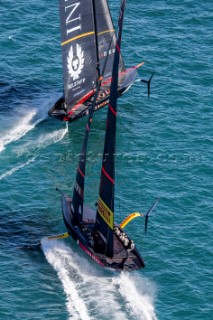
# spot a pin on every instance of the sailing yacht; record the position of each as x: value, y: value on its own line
x: 96, y: 231
x: 88, y: 42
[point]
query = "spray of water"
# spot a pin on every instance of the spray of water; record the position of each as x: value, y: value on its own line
x: 53, y: 137
x: 62, y: 261
x: 93, y: 293
x: 139, y: 302
x: 25, y: 121
x: 21, y: 127
x: 41, y: 142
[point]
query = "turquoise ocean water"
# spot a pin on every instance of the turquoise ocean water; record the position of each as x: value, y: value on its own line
x: 164, y: 150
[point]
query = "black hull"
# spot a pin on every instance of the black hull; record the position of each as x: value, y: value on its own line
x: 60, y: 112
x: 124, y: 258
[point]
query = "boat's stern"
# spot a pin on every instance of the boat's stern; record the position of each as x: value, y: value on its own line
x: 58, y: 110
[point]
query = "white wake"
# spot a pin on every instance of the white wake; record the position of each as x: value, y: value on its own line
x: 61, y: 259
x: 13, y: 170
x: 21, y: 127
x: 93, y: 294
x: 24, y: 120
x: 52, y: 137
x: 42, y: 141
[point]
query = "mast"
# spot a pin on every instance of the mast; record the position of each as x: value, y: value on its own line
x: 105, y: 210
x: 96, y: 39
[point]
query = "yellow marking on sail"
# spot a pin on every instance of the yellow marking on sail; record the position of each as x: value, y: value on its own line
x: 59, y: 236
x: 106, y: 31
x: 130, y: 218
x: 105, y: 213
x: 78, y: 37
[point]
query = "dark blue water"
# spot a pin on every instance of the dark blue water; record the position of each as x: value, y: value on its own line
x: 164, y: 150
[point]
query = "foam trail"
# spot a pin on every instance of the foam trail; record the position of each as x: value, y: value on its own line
x: 49, y: 138
x: 54, y: 136
x: 140, y: 304
x: 90, y: 291
x: 21, y: 128
x: 61, y: 259
x: 26, y: 119
x: 8, y: 173
x: 43, y: 141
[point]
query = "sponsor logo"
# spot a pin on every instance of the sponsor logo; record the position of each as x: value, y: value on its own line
x: 105, y: 53
x: 105, y: 213
x: 73, y: 16
x: 75, y: 85
x: 75, y: 61
x: 90, y: 254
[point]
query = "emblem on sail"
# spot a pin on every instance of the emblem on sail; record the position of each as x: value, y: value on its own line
x: 75, y: 62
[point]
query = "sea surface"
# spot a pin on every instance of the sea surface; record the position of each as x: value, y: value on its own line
x: 164, y: 150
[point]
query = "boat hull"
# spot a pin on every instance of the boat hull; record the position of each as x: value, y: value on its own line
x: 59, y: 110
x: 84, y: 234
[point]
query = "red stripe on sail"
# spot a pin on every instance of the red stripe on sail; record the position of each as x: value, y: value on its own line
x: 108, y: 176
x: 113, y: 111
x: 81, y: 173
x: 118, y: 48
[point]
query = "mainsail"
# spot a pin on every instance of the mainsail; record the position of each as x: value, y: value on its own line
x: 105, y: 210
x: 106, y: 34
x: 78, y: 48
x: 78, y: 192
x: 87, y: 38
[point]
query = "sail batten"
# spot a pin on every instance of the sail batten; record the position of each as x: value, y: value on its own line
x: 86, y: 34
x: 106, y: 31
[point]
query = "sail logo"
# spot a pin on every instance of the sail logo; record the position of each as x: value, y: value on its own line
x: 73, y: 16
x: 75, y: 62
x: 105, y: 213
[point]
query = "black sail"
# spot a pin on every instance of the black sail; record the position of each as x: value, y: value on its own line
x: 106, y: 35
x: 105, y: 210
x: 78, y: 192
x: 78, y: 48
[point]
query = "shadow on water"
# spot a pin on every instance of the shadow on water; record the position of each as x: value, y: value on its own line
x: 20, y: 232
x: 13, y: 93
